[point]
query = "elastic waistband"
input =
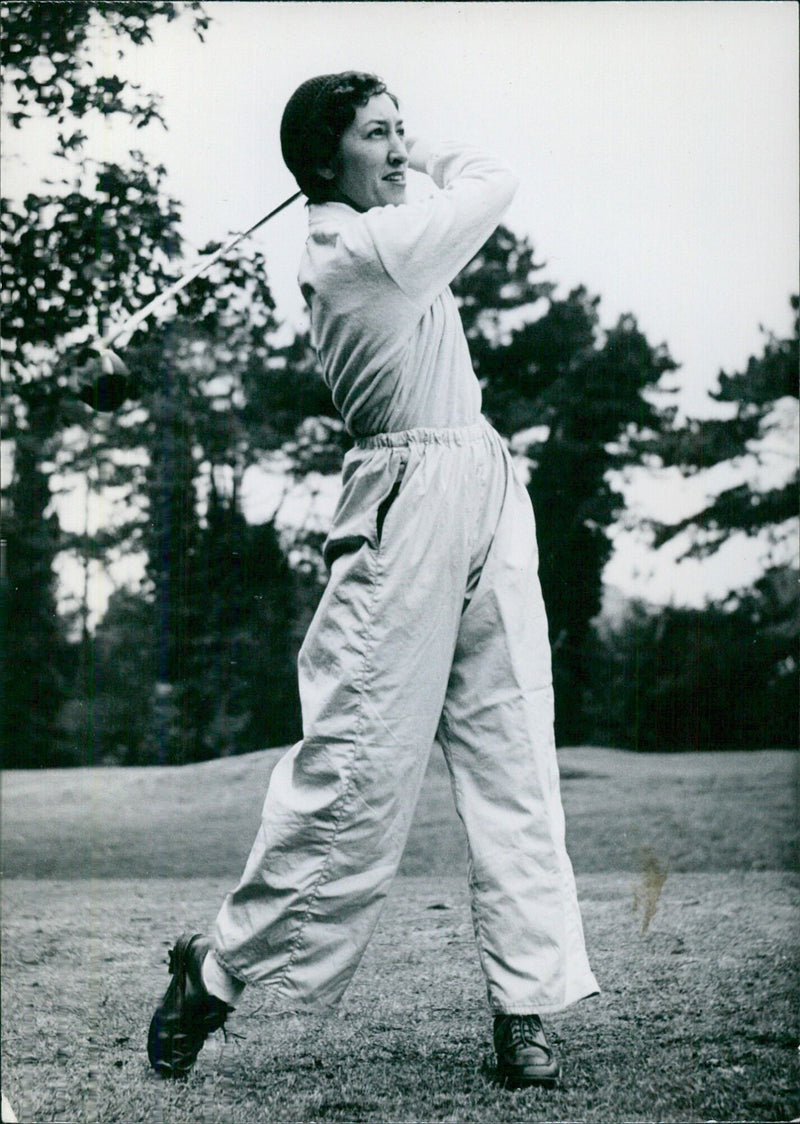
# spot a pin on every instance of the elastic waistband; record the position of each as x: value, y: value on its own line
x: 461, y: 435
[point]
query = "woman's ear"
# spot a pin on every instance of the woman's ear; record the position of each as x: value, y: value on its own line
x: 325, y: 173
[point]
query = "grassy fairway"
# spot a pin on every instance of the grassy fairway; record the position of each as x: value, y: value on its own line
x: 698, y: 1019
x: 695, y: 812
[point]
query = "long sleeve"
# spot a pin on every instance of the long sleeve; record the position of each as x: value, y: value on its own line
x: 422, y: 246
x: 384, y: 321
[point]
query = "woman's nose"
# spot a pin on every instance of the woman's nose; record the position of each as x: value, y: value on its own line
x: 398, y: 151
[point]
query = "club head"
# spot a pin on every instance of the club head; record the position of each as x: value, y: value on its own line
x: 112, y: 386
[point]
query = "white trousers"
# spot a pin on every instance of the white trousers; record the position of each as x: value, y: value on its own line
x: 432, y: 626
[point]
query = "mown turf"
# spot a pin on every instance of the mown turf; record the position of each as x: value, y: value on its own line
x: 699, y: 811
x: 698, y: 1019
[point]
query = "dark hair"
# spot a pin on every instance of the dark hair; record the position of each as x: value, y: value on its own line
x: 315, y: 117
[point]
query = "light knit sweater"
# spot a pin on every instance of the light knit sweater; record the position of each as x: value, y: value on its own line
x: 384, y: 322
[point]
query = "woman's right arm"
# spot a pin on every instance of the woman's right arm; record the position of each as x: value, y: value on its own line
x: 423, y: 245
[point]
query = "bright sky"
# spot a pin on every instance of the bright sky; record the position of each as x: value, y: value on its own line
x: 656, y: 143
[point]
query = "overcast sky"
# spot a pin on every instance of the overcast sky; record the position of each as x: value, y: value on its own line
x: 656, y: 143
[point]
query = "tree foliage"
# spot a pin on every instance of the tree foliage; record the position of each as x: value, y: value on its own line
x: 89, y: 242
x: 100, y: 238
x: 726, y: 676
x: 757, y: 393
x: 221, y: 590
x: 580, y: 391
x: 80, y: 259
x: 33, y: 670
x: 46, y: 60
x: 722, y: 677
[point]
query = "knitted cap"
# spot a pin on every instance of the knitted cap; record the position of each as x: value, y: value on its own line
x: 299, y: 116
x: 315, y: 117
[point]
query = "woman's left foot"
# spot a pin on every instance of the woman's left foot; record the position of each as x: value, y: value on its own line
x: 524, y: 1056
x: 187, y: 1014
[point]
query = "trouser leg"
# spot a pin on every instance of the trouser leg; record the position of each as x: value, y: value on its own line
x: 497, y: 734
x: 373, y: 675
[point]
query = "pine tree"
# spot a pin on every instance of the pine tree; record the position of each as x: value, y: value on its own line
x: 765, y: 398
x: 569, y: 395
x: 34, y: 664
x: 758, y: 662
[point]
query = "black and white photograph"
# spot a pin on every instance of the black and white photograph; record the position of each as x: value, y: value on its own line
x: 399, y: 561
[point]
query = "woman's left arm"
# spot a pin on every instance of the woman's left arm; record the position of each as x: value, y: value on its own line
x: 423, y: 245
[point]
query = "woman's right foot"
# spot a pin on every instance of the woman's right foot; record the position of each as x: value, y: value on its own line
x: 524, y: 1056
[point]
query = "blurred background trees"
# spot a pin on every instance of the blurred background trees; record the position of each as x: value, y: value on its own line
x: 93, y: 247
x: 197, y: 660
x: 725, y: 676
x: 569, y: 396
x: 95, y: 239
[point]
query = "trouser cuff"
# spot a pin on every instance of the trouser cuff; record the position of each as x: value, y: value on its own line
x: 220, y: 983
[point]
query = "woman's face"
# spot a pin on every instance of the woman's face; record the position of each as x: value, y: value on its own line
x: 369, y: 168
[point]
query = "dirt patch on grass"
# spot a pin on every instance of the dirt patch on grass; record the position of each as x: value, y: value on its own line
x: 697, y: 1021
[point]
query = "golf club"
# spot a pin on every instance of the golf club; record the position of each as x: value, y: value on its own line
x: 112, y: 386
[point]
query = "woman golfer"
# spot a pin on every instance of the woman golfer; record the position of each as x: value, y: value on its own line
x: 432, y: 624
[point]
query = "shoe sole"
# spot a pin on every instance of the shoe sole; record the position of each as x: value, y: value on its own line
x: 511, y: 1080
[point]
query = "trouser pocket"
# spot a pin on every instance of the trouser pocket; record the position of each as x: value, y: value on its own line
x: 372, y: 480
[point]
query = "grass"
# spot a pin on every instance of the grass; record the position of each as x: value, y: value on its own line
x: 699, y: 811
x: 698, y: 1019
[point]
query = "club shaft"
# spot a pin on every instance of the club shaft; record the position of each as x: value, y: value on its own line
x: 205, y: 263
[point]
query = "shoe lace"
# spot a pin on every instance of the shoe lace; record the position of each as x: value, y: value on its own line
x: 175, y: 966
x: 525, y: 1030
x: 212, y: 1019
